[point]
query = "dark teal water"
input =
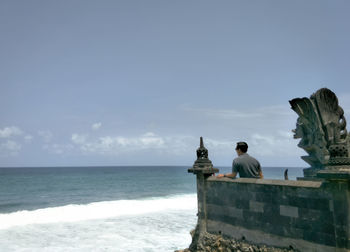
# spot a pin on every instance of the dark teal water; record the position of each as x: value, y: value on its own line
x: 34, y: 188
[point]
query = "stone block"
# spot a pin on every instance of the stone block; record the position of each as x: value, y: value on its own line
x: 280, y: 220
x: 311, y: 203
x: 313, y: 193
x: 252, y: 216
x: 273, y: 229
x: 225, y: 211
x: 298, y: 202
x: 268, y: 198
x: 256, y: 206
x: 239, y: 195
x: 221, y: 218
x: 341, y: 231
x: 242, y: 204
x: 343, y: 242
x: 329, y: 239
x: 302, y: 223
x: 212, y: 198
x: 289, y: 211
x: 340, y: 218
x: 320, y: 238
x: 315, y: 215
x: 296, y: 233
x: 270, y: 189
x: 271, y: 211
x: 323, y: 226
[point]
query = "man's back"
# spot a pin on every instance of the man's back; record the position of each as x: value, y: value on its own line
x: 246, y: 166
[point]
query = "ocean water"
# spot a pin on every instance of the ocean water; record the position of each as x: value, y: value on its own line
x: 141, y: 208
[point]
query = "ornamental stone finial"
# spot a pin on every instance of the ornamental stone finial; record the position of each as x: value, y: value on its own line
x: 322, y: 128
x: 202, y: 164
x: 202, y: 152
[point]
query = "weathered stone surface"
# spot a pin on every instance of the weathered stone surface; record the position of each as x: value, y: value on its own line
x: 322, y: 128
x: 256, y: 206
x: 289, y: 211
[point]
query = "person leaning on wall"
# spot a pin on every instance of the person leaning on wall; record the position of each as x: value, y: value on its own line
x: 244, y: 165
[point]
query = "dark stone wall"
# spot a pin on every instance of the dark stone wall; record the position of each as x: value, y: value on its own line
x: 312, y: 211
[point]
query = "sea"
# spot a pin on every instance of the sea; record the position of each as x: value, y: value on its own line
x: 122, y: 208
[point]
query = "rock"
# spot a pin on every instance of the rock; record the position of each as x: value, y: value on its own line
x: 205, y: 242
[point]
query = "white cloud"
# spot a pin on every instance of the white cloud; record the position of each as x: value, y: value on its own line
x: 8, y: 132
x: 150, y: 139
x: 280, y: 144
x: 79, y: 139
x: 46, y: 135
x: 96, y: 126
x: 10, y: 148
x: 115, y: 145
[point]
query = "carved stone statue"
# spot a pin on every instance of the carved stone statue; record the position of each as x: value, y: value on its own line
x: 322, y: 128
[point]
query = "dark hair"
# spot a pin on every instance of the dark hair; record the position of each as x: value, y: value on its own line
x: 243, y: 146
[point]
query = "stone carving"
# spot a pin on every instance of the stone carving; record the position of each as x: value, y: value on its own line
x: 202, y: 152
x: 203, y: 164
x: 202, y: 157
x: 322, y: 128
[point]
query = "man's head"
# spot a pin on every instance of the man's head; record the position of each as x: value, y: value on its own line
x: 241, y: 148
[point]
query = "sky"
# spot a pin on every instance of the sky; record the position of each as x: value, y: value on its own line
x: 86, y: 83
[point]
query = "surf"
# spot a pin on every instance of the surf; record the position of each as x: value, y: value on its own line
x: 98, y: 210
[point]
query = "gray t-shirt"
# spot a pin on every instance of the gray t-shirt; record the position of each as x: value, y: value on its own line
x: 246, y: 166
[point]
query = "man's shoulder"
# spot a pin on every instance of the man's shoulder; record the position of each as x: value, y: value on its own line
x: 240, y: 158
x: 245, y: 157
x: 237, y: 159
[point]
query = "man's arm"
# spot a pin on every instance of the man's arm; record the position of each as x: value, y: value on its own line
x: 227, y: 175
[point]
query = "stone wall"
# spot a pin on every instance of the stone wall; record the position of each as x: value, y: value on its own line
x: 305, y: 215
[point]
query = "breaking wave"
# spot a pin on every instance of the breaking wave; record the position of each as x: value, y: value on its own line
x: 98, y: 210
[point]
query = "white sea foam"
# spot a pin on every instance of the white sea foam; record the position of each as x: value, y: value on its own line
x: 97, y: 210
x: 157, y: 224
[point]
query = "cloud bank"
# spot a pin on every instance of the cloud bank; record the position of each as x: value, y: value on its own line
x: 267, y: 130
x: 11, y: 141
x: 9, y: 132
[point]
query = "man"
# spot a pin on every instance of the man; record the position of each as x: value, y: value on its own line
x: 245, y: 165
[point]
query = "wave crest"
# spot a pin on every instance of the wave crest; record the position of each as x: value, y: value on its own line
x: 97, y: 210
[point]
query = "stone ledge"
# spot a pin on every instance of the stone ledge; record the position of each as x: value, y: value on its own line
x: 335, y: 173
x: 277, y: 182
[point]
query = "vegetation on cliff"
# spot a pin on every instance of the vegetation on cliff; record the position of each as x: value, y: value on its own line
x: 206, y: 242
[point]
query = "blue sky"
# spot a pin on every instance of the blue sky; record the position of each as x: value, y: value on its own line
x: 138, y: 82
